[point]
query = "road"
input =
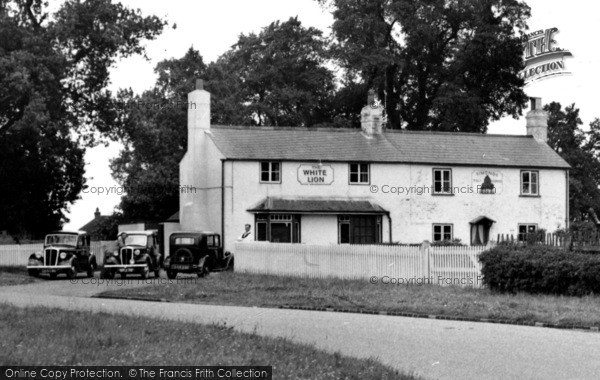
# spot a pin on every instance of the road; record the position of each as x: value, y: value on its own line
x: 431, y: 348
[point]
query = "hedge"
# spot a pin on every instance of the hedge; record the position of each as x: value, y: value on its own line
x: 540, y: 269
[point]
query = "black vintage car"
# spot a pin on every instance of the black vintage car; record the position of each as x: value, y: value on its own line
x: 140, y: 254
x: 196, y: 252
x: 64, y: 252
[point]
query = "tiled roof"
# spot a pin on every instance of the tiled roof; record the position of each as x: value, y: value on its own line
x: 321, y: 206
x: 343, y: 145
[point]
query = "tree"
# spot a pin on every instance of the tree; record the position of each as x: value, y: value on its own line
x: 277, y: 78
x: 274, y: 78
x: 437, y: 64
x: 154, y: 134
x: 53, y: 75
x: 580, y: 149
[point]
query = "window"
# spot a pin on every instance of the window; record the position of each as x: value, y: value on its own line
x: 359, y: 173
x: 278, y: 228
x: 442, y: 181
x: 261, y: 228
x: 525, y: 229
x: 270, y: 172
x: 359, y: 229
x: 442, y: 232
x: 212, y: 241
x: 529, y: 182
x: 184, y: 241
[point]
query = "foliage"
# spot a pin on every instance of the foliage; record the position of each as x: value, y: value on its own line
x: 53, y: 74
x: 107, y: 228
x: 439, y: 65
x: 580, y: 149
x: 447, y: 243
x: 154, y: 135
x: 540, y: 269
x: 277, y: 77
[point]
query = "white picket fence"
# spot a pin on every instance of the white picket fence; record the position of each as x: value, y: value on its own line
x: 17, y: 254
x: 387, y: 263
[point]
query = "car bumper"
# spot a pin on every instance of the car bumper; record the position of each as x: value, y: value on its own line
x: 129, y: 268
x: 184, y: 268
x: 49, y: 268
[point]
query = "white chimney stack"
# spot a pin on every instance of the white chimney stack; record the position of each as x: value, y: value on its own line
x: 537, y: 121
x: 198, y: 114
x: 371, y: 117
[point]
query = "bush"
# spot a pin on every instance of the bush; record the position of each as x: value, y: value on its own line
x: 446, y: 243
x: 540, y: 269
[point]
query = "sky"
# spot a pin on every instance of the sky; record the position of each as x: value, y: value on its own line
x: 212, y: 27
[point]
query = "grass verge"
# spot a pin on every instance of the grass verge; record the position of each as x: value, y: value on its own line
x: 42, y: 336
x: 15, y: 276
x: 228, y: 288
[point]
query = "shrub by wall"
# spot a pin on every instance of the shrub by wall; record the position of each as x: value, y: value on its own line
x: 540, y: 269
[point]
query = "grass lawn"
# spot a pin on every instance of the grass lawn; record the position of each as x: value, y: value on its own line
x: 229, y: 288
x: 15, y: 276
x: 42, y: 336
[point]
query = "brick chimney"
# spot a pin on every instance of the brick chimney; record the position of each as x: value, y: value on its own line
x: 371, y: 117
x: 537, y: 121
x: 97, y: 213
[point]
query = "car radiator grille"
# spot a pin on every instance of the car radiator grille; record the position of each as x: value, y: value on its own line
x: 51, y: 257
x: 126, y: 255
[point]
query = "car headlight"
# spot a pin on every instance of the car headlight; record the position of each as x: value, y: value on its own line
x: 136, y: 252
x: 116, y: 253
x: 38, y: 255
x: 63, y: 255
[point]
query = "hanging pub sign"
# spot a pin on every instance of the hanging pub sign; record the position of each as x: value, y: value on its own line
x: 487, y: 181
x: 315, y: 174
x: 543, y: 59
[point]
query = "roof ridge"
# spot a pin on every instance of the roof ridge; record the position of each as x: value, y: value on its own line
x: 354, y: 130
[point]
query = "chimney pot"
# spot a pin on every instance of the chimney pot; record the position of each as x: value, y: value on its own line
x: 97, y: 213
x: 371, y: 116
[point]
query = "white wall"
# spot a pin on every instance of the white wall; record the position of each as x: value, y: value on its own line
x: 412, y: 214
x: 319, y: 229
x: 200, y: 171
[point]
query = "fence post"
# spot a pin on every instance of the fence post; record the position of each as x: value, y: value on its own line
x: 425, y: 252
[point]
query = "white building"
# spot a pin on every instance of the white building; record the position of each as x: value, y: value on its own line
x: 336, y: 186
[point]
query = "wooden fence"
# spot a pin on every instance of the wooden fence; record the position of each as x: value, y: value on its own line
x: 457, y: 265
x: 17, y: 254
x: 574, y: 240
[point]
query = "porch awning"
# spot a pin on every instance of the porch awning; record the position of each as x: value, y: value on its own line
x: 481, y: 219
x: 317, y: 206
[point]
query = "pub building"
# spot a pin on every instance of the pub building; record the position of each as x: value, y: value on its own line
x: 368, y: 186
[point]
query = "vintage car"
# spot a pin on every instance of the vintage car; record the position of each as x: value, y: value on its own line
x: 64, y: 252
x: 140, y: 254
x: 196, y: 252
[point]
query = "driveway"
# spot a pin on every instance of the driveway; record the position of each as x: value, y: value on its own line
x: 432, y: 348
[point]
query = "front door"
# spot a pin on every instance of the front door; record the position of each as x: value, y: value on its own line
x: 480, y: 232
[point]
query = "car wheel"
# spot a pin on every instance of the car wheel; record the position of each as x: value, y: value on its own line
x: 205, y: 271
x: 108, y: 274
x: 91, y: 269
x: 33, y: 273
x: 157, y: 273
x: 171, y: 274
x: 72, y: 273
x: 145, y: 271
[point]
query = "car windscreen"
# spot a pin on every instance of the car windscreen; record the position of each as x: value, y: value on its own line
x: 136, y: 240
x: 61, y: 239
x: 184, y: 241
